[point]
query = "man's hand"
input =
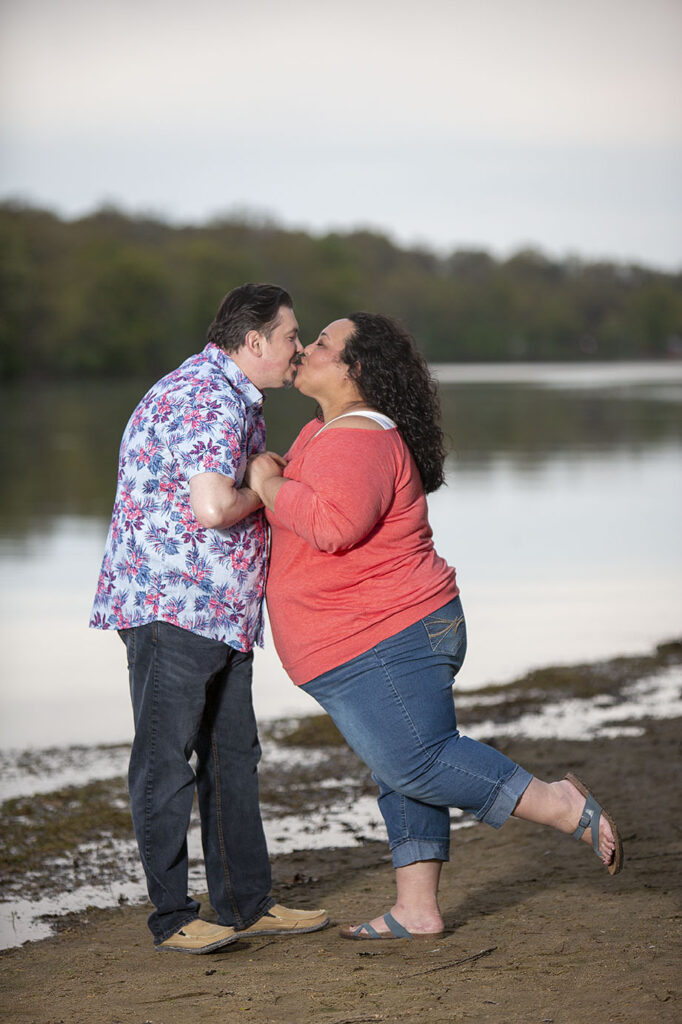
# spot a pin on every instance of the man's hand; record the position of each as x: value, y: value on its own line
x: 217, y: 503
x: 264, y: 476
x: 262, y: 467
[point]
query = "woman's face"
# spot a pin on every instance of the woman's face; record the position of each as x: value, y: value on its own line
x: 321, y: 371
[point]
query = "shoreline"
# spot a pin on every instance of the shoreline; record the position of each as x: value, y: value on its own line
x: 536, y: 929
x: 67, y: 836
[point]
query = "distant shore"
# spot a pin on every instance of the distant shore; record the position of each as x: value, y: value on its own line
x: 467, y: 303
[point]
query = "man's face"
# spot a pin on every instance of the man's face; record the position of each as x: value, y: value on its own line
x: 281, y: 351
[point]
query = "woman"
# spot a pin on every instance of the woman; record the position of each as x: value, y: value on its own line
x: 367, y: 619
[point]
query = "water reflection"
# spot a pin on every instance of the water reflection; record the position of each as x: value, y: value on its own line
x: 561, y: 515
x: 60, y: 441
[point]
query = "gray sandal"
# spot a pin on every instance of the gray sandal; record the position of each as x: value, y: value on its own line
x: 592, y: 812
x: 395, y: 931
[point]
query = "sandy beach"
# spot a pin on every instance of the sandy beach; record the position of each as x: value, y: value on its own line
x: 537, y: 930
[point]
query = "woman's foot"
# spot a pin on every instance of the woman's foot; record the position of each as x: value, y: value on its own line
x: 417, y: 922
x: 416, y: 908
x: 573, y: 803
x: 561, y: 805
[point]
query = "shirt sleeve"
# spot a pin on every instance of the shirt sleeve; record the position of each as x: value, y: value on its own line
x: 346, y: 486
x: 208, y: 438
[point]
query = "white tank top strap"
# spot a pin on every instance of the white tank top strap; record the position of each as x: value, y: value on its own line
x: 384, y: 421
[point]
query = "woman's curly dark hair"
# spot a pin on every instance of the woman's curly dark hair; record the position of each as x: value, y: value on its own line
x: 393, y: 377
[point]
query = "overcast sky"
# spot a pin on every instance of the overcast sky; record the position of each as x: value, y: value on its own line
x: 477, y: 123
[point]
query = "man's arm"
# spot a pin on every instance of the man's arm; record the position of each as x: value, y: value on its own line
x: 217, y: 503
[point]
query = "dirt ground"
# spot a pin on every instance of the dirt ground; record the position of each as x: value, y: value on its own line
x: 537, y: 930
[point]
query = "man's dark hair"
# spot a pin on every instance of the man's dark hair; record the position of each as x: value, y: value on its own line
x: 250, y: 307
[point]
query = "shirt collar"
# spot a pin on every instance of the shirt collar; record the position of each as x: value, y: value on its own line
x: 246, y: 390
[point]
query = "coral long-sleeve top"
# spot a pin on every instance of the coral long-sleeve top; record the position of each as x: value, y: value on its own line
x: 352, y: 559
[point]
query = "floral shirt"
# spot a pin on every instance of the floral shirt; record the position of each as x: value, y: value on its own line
x: 159, y: 562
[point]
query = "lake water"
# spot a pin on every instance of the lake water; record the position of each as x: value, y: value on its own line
x: 561, y: 513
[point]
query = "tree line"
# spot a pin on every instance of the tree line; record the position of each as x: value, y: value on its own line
x: 116, y: 295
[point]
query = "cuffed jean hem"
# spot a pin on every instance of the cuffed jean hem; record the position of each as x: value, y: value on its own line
x: 412, y: 850
x: 505, y: 798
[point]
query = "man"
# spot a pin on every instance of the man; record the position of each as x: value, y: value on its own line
x: 182, y: 580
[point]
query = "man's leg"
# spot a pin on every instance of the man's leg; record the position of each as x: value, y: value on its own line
x: 169, y: 671
x: 235, y: 850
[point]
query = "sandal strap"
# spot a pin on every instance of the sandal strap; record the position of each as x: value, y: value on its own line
x: 372, y: 932
x: 396, y: 928
x: 590, y: 816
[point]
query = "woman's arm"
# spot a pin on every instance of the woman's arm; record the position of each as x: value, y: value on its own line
x: 347, y: 484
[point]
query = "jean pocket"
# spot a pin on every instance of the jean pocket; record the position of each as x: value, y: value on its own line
x: 447, y: 634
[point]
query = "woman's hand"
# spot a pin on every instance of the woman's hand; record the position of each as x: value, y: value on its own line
x: 262, y: 469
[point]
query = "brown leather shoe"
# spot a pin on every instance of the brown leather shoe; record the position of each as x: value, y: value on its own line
x: 198, y: 937
x: 279, y: 920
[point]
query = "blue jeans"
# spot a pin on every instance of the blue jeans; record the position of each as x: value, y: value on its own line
x: 395, y: 707
x: 191, y: 694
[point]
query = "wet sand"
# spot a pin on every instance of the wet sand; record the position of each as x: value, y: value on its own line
x: 537, y: 931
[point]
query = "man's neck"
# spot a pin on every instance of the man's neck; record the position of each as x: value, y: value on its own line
x: 247, y: 365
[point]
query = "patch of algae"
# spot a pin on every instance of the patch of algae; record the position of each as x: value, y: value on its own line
x: 599, y: 677
x: 313, y: 731
x: 50, y: 825
x: 559, y: 682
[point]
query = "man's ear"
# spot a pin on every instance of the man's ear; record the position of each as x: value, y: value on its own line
x: 253, y: 340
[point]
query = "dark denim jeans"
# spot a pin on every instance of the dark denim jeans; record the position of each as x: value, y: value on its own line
x: 394, y: 705
x: 191, y: 694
